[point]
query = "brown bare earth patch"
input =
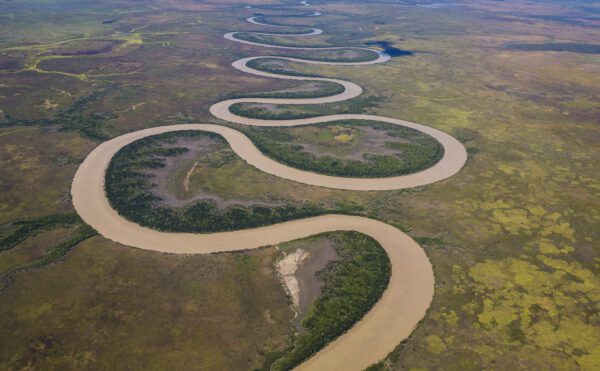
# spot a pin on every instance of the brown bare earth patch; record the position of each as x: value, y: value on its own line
x: 172, y: 182
x: 162, y: 177
x: 321, y: 252
x: 299, y: 269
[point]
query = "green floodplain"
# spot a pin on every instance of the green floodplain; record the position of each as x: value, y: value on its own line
x: 512, y: 237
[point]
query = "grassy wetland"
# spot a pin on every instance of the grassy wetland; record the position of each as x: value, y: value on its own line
x: 513, y: 239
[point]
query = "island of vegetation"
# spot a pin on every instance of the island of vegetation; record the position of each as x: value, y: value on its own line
x: 129, y: 190
x: 351, y: 148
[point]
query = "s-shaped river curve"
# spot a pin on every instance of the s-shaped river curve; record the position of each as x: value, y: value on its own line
x: 410, y: 290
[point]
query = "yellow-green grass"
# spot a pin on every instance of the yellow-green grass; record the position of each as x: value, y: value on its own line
x: 109, y: 304
x: 36, y: 167
x: 524, y: 206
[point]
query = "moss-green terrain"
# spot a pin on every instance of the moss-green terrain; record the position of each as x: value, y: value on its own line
x: 352, y: 148
x: 513, y: 237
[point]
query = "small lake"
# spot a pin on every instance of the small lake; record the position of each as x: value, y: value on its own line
x: 389, y: 48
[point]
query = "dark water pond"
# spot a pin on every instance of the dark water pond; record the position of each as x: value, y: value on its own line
x: 390, y: 49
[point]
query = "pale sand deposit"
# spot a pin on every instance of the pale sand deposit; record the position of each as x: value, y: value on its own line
x: 287, y: 268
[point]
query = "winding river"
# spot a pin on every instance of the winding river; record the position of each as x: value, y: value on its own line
x: 410, y: 291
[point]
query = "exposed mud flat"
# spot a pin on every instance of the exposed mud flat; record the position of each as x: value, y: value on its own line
x: 287, y: 268
x: 321, y: 253
x: 299, y: 272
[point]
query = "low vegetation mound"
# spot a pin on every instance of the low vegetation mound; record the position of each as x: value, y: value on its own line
x: 350, y: 148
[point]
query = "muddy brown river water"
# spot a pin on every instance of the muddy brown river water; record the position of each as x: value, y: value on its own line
x: 410, y: 291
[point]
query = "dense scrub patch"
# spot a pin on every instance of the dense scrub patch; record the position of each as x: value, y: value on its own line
x: 128, y: 190
x: 277, y: 66
x: 348, y: 148
x: 314, y: 89
x: 301, y: 111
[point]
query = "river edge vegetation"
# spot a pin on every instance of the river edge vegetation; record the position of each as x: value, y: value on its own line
x: 268, y: 111
x: 128, y: 191
x: 351, y: 286
x: 276, y: 66
x: 316, y: 89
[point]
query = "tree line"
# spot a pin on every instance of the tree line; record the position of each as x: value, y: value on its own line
x: 351, y: 286
x: 128, y: 187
